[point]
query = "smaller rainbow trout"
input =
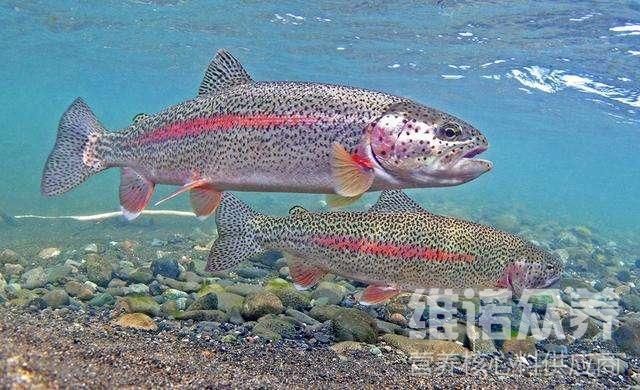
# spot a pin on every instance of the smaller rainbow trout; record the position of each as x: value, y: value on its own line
x: 395, y: 246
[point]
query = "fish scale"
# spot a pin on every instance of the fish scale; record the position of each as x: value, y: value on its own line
x: 240, y: 134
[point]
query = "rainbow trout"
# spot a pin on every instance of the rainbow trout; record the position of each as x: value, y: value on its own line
x: 395, y: 246
x: 243, y: 135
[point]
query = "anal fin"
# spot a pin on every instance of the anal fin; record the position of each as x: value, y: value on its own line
x: 374, y: 294
x: 304, y: 275
x: 204, y: 200
x: 135, y: 192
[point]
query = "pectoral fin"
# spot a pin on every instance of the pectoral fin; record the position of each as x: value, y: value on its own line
x: 377, y: 294
x: 352, y: 173
x: 336, y: 201
x: 135, y: 192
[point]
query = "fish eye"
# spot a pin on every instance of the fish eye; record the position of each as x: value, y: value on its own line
x: 551, y: 267
x: 451, y: 130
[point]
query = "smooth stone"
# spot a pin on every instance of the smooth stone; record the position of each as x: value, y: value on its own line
x: 251, y: 272
x: 189, y: 276
x: 99, y: 269
x: 166, y: 267
x: 102, y: 299
x: 228, y: 338
x: 230, y: 302
x: 170, y: 308
x: 398, y: 319
x: 289, y: 296
x: 173, y: 294
x: 624, y: 276
x: 13, y: 290
x: 203, y: 315
x: 91, y: 248
x: 141, y: 275
x: 348, y: 324
x: 78, y: 290
x: 117, y: 283
x: 347, y: 347
x: 333, y: 292
x: 607, y: 362
x: 556, y: 348
x: 9, y: 256
x: 422, y: 346
x: 243, y: 289
x: 139, y: 288
x: 49, y: 253
x: 178, y: 285
x: 118, y: 291
x: 387, y: 327
x: 34, y: 278
x: 301, y: 317
x: 261, y: 303
x: 631, y: 302
x: 137, y: 321
x: 210, y: 288
x: 11, y: 269
x: 519, y: 347
x: 57, y: 274
x: 627, y: 336
x: 56, y: 298
x: 142, y: 304
x: 205, y: 302
x: 479, y: 341
x: 275, y: 328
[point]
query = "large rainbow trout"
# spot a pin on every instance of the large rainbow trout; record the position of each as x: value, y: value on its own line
x: 239, y: 134
x: 395, y: 246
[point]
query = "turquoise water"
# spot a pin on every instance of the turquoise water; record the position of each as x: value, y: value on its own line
x: 554, y: 86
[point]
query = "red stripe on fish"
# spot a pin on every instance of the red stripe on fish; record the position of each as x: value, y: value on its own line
x: 199, y: 126
x: 388, y: 249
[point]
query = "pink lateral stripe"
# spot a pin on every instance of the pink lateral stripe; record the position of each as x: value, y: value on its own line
x: 194, y: 127
x: 388, y: 249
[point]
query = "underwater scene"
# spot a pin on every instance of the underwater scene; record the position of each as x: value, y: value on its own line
x: 420, y: 194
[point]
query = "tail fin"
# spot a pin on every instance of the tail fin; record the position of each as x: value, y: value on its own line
x: 236, y: 240
x: 74, y: 157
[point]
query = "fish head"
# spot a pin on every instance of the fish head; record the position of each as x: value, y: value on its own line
x: 427, y: 147
x: 533, y: 268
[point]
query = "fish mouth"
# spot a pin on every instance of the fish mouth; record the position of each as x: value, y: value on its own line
x: 475, y: 151
x: 551, y: 281
x: 469, y: 166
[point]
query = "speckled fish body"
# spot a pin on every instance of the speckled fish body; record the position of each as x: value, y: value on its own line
x: 398, y: 246
x: 238, y: 134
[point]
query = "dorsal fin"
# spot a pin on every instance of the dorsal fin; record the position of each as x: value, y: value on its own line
x: 224, y: 71
x: 395, y: 201
x: 297, y: 210
x: 140, y: 117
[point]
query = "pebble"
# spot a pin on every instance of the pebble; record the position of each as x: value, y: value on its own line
x: 166, y: 267
x: 8, y: 256
x: 179, y: 285
x: 261, y: 303
x: 301, y: 317
x: 13, y: 290
x: 78, y: 290
x: 137, y: 321
x: 205, y: 302
x: 99, y: 269
x: 34, y: 278
x: 12, y: 269
x: 49, y: 253
x: 275, y: 328
x: 627, y: 336
x: 434, y: 348
x: 332, y: 292
x: 142, y: 304
x: 348, y: 324
x: 102, y: 299
x: 139, y: 288
x: 172, y: 293
x: 56, y: 298
x: 91, y: 248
